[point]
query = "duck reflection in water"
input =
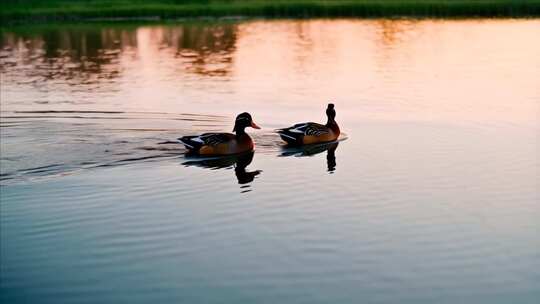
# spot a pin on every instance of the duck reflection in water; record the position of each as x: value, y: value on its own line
x: 315, y: 149
x: 239, y: 162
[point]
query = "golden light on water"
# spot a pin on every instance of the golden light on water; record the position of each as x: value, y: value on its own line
x: 428, y: 70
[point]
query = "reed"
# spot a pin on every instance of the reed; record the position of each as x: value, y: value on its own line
x: 73, y: 10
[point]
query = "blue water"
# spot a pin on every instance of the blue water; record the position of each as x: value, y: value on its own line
x: 430, y: 196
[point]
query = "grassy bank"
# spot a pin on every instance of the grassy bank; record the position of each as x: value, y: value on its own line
x: 70, y: 10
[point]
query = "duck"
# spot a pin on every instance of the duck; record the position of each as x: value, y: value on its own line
x: 215, y: 144
x: 310, y: 132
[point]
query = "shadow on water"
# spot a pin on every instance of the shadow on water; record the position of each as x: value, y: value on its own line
x: 315, y: 149
x: 238, y: 162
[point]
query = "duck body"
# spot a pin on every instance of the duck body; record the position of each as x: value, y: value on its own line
x: 310, y: 132
x: 218, y: 143
x: 223, y: 143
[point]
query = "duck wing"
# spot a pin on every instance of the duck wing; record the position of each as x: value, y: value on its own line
x: 206, y: 139
x: 315, y: 129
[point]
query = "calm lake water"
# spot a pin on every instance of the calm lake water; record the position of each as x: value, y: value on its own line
x: 431, y: 196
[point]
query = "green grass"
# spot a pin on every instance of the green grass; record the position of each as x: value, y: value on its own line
x: 73, y: 10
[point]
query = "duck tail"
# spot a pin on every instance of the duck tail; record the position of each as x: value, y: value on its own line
x: 190, y: 142
x: 289, y: 137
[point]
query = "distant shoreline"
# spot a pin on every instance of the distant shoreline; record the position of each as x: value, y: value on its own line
x: 40, y: 11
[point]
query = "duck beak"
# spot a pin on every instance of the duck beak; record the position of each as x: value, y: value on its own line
x: 254, y: 125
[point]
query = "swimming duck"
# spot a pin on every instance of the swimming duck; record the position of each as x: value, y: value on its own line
x: 223, y: 143
x: 310, y: 132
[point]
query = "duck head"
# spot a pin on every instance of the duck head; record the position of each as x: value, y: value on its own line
x: 331, y: 113
x: 243, y: 121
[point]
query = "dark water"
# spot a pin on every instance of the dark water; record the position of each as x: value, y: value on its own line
x: 431, y: 196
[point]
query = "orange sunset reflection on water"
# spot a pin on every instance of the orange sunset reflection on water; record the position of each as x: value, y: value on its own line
x: 479, y: 71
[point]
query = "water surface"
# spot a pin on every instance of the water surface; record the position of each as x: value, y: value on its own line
x: 431, y: 195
